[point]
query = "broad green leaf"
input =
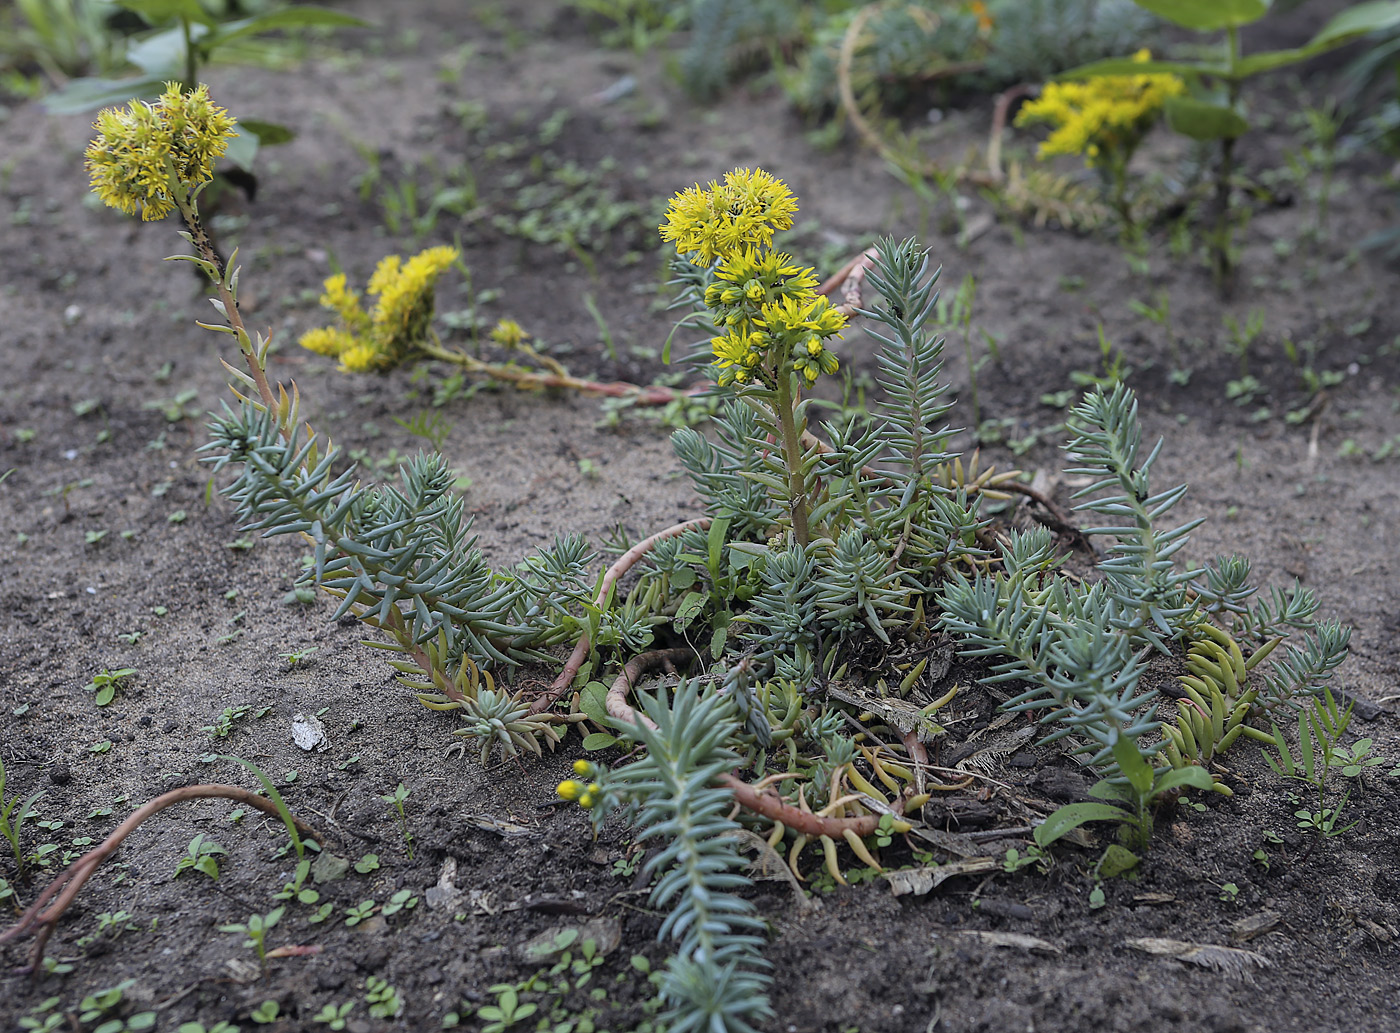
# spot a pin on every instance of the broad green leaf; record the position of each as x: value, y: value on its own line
x: 1345, y: 27
x: 598, y: 741
x: 1135, y: 769
x: 284, y: 18
x: 161, y: 55
x: 243, y: 149
x: 689, y: 609
x: 157, y: 11
x: 1207, y: 15
x: 1357, y: 21
x: 1201, y: 120
x: 721, y: 636
x: 593, y: 702
x: 268, y: 133
x: 1116, y: 860
x: 90, y: 93
x: 1104, y: 789
x: 1194, y: 776
x: 1071, y: 816
x: 719, y: 527
x: 1127, y: 66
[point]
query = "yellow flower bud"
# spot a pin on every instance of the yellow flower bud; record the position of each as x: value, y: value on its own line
x: 586, y: 801
x: 569, y: 789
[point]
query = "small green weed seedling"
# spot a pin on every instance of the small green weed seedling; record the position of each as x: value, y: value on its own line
x: 396, y: 801
x: 383, y: 1000
x: 202, y: 855
x: 1015, y: 859
x: 105, y: 683
x: 255, y: 931
x: 336, y: 1016
x: 357, y: 913
x: 402, y: 900
x: 1321, y: 726
x: 101, y: 1006
x: 199, y: 1027
x: 507, y: 1011
x: 13, y: 815
x: 297, y: 889
x: 296, y: 656
x: 266, y: 1013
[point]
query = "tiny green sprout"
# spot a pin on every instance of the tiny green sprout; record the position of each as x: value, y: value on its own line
x: 348, y: 762
x: 396, y: 800
x: 402, y: 900
x: 1097, y: 898
x: 383, y: 1000
x: 105, y: 683
x: 255, y: 931
x: 199, y: 1027
x: 507, y: 1010
x: 321, y: 914
x: 367, y: 864
x: 1230, y: 893
x: 177, y: 517
x: 239, y: 544
x: 296, y: 656
x: 334, y: 1015
x: 884, y: 832
x: 201, y: 856
x: 1015, y: 859
x: 102, y: 746
x: 130, y: 637
x: 265, y: 1013
x: 357, y: 913
x: 93, y: 537
x: 297, y: 889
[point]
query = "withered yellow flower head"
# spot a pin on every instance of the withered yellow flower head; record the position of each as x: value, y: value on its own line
x: 382, y: 338
x: 146, y: 153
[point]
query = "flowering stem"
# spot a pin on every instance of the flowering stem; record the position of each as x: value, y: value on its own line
x: 792, y: 455
x: 200, y: 237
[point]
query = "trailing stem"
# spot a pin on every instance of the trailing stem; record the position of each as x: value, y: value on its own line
x: 41, y: 917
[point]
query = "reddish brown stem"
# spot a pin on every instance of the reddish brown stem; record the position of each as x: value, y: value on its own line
x: 67, y: 885
x: 761, y: 801
x: 773, y: 806
x: 620, y: 566
x: 617, y: 704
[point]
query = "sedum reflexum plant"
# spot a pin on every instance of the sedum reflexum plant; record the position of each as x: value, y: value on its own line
x: 803, y: 605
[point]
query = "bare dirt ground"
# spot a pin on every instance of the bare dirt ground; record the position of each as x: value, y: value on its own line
x: 93, y: 327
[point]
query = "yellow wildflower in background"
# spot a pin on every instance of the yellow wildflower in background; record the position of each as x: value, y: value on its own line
x: 712, y: 222
x: 399, y: 322
x: 145, y: 153
x: 1100, y: 116
x: 509, y: 334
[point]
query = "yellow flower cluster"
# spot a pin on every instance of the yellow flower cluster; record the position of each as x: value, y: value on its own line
x: 1102, y: 115
x: 706, y: 223
x: 766, y: 305
x: 145, y: 153
x: 571, y: 789
x: 509, y: 334
x: 381, y: 339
